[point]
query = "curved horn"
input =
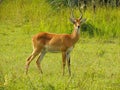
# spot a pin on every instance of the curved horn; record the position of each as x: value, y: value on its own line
x: 72, y: 19
x: 72, y: 15
x: 80, y: 17
x: 80, y: 9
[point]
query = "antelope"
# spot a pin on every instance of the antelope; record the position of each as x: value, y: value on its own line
x: 49, y: 42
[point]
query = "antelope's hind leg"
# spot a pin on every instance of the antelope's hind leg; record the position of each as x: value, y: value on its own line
x: 30, y: 58
x: 38, y: 62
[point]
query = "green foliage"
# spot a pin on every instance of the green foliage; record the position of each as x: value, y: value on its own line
x: 57, y: 4
x: 41, y: 16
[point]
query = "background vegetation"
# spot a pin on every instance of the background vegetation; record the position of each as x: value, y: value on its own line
x: 29, y: 14
x: 95, y: 60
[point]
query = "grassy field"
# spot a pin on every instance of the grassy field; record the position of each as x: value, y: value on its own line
x: 95, y: 64
x: 95, y: 60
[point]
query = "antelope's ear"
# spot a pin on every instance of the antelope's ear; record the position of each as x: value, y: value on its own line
x: 72, y: 20
x: 83, y: 20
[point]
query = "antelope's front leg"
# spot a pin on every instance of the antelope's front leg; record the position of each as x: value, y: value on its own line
x: 64, y: 61
x: 68, y: 62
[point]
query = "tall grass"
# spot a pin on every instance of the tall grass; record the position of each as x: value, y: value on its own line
x: 40, y: 15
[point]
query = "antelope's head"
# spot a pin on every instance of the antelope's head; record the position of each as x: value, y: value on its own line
x: 77, y: 22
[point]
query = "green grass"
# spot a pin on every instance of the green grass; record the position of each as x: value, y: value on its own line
x: 95, y: 60
x: 94, y: 64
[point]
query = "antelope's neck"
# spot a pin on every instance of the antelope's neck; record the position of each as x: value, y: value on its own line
x: 75, y: 34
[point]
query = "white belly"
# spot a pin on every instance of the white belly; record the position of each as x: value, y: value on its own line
x: 52, y: 49
x: 56, y: 49
x: 70, y: 49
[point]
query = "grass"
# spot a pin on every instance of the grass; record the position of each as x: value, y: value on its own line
x: 94, y: 60
x: 94, y: 64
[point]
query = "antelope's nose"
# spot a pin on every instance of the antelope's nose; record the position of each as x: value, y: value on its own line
x: 78, y: 26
